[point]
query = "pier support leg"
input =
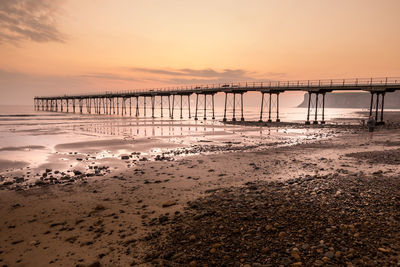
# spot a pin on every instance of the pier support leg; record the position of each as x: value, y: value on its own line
x: 277, y: 108
x: 270, y: 107
x: 67, y: 105
x: 181, y: 108
x: 130, y: 106
x: 153, y: 99
x: 308, y: 109
x: 262, y: 106
x: 197, y: 102
x: 173, y: 106
x: 137, y: 107
x: 382, y: 107
x: 371, y: 104
x: 377, y: 107
x: 188, y: 99
x: 162, y: 115
x: 213, y: 112
x: 234, y: 107
x: 205, y: 107
x: 316, y: 109
x: 226, y: 99
x: 241, y: 104
x: 144, y: 106
x: 169, y: 106
x: 323, y: 109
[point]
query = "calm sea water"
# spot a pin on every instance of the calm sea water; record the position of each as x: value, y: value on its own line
x: 29, y: 138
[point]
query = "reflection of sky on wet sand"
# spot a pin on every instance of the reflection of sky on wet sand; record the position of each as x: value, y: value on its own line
x: 150, y: 136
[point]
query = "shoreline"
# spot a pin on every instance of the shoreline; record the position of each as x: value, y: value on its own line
x: 105, y: 220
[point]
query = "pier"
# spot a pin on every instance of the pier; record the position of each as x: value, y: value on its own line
x: 176, y: 99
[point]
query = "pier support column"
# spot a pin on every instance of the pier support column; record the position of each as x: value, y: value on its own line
x: 161, y: 102
x: 181, y: 108
x: 377, y: 107
x: 197, y: 102
x: 226, y: 99
x: 213, y: 112
x: 308, y: 109
x: 371, y: 104
x: 169, y: 105
x: 173, y: 106
x: 241, y: 105
x: 188, y: 99
x: 382, y: 107
x: 234, y: 107
x: 130, y: 106
x: 144, y: 106
x: 277, y: 108
x: 262, y: 106
x: 316, y: 109
x: 270, y: 107
x: 205, y: 107
x: 323, y: 109
x: 153, y: 99
x: 67, y: 105
x: 137, y: 107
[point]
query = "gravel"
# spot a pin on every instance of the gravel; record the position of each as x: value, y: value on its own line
x: 309, y: 221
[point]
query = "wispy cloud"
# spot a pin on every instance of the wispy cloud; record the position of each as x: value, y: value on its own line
x: 34, y: 20
x: 201, y: 76
x: 226, y: 73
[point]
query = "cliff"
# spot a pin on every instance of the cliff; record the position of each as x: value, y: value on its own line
x: 355, y: 100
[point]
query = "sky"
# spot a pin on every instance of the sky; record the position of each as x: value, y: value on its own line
x: 57, y: 47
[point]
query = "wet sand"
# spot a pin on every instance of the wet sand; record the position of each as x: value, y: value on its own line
x: 113, y: 219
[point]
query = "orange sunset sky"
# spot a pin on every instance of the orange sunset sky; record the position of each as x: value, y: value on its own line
x: 51, y: 47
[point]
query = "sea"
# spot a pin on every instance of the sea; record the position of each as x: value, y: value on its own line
x: 32, y: 141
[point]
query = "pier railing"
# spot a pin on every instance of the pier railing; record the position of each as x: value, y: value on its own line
x: 297, y: 85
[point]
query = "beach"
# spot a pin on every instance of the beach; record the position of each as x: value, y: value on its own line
x: 132, y: 216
